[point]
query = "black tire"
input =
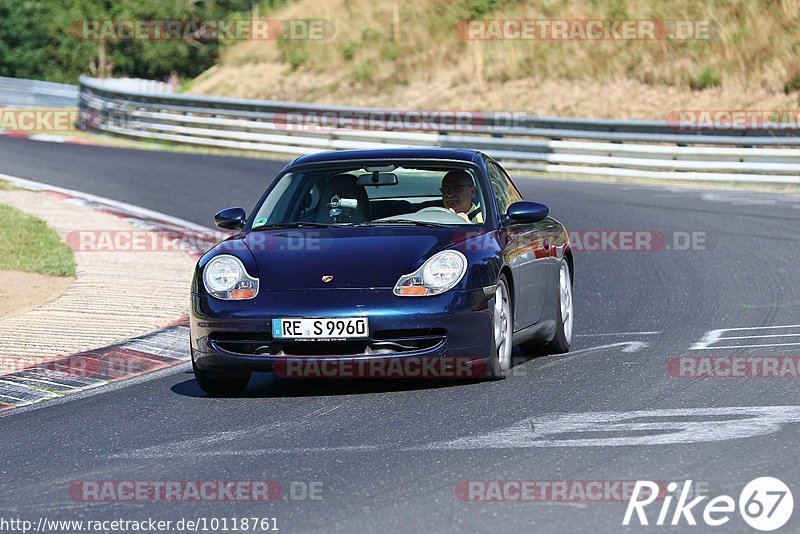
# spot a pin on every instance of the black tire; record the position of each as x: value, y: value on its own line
x: 494, y: 371
x: 221, y: 383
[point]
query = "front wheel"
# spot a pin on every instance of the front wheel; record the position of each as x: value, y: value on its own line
x: 221, y: 383
x: 563, y: 337
x: 502, y: 330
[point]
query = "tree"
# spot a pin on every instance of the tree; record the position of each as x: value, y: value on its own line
x: 42, y: 39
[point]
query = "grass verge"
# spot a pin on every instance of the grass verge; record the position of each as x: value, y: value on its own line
x: 27, y: 244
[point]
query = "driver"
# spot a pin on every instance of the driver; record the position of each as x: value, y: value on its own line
x: 458, y: 189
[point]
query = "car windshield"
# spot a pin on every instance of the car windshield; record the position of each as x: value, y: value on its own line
x: 370, y: 193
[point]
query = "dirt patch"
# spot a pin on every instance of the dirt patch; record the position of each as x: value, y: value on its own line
x: 410, y: 55
x: 21, y: 292
x: 552, y: 97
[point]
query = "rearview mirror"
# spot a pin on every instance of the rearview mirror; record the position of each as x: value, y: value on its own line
x: 525, y: 211
x: 377, y: 178
x: 231, y: 219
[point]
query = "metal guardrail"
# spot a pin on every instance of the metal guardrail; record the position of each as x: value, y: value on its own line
x: 140, y: 85
x: 15, y: 92
x: 637, y: 149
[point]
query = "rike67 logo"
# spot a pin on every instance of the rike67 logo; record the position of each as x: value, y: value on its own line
x: 765, y: 504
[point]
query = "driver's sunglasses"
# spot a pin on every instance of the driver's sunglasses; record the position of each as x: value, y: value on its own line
x: 452, y: 188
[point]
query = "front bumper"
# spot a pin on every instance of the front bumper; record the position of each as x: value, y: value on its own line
x: 229, y: 335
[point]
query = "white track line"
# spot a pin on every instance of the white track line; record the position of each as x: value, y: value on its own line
x: 714, y: 336
x: 757, y: 328
x: 710, y: 338
x: 744, y: 346
x: 756, y: 337
x: 619, y: 334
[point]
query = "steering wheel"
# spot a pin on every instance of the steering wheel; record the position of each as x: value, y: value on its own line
x: 451, y: 215
x: 436, y: 208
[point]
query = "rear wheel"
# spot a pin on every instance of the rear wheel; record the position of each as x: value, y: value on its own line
x: 502, y: 329
x: 221, y: 383
x: 563, y: 337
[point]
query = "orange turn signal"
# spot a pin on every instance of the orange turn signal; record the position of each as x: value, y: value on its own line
x: 242, y: 294
x: 412, y: 291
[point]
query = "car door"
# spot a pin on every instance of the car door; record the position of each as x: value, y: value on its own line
x: 527, y: 253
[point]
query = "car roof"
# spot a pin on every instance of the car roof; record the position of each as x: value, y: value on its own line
x: 458, y: 154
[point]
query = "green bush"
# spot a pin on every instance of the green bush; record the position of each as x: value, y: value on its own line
x: 792, y: 85
x: 363, y: 72
x: 707, y: 78
x: 390, y: 52
x: 349, y: 50
x: 478, y: 8
x: 618, y: 10
x: 293, y: 52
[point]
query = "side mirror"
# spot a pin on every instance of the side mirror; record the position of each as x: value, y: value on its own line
x: 231, y: 219
x: 525, y: 211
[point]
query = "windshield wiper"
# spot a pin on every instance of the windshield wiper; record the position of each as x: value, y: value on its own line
x: 300, y: 224
x: 406, y: 221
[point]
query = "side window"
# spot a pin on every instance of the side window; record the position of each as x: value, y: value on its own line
x: 270, y: 210
x: 504, y: 190
x: 310, y: 204
x: 513, y: 193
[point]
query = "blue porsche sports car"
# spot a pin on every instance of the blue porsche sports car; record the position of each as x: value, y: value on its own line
x: 381, y: 257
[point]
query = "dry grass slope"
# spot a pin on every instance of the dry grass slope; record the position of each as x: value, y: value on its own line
x: 408, y: 54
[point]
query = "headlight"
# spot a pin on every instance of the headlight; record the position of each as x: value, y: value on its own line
x: 226, y: 278
x: 440, y: 273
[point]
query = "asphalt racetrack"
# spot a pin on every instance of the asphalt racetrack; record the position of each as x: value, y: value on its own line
x: 399, y: 456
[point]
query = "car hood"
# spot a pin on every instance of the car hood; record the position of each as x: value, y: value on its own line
x: 355, y: 257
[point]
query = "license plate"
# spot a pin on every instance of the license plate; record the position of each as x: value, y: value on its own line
x: 333, y: 328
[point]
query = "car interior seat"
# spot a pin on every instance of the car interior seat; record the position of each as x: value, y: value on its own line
x: 352, y: 199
